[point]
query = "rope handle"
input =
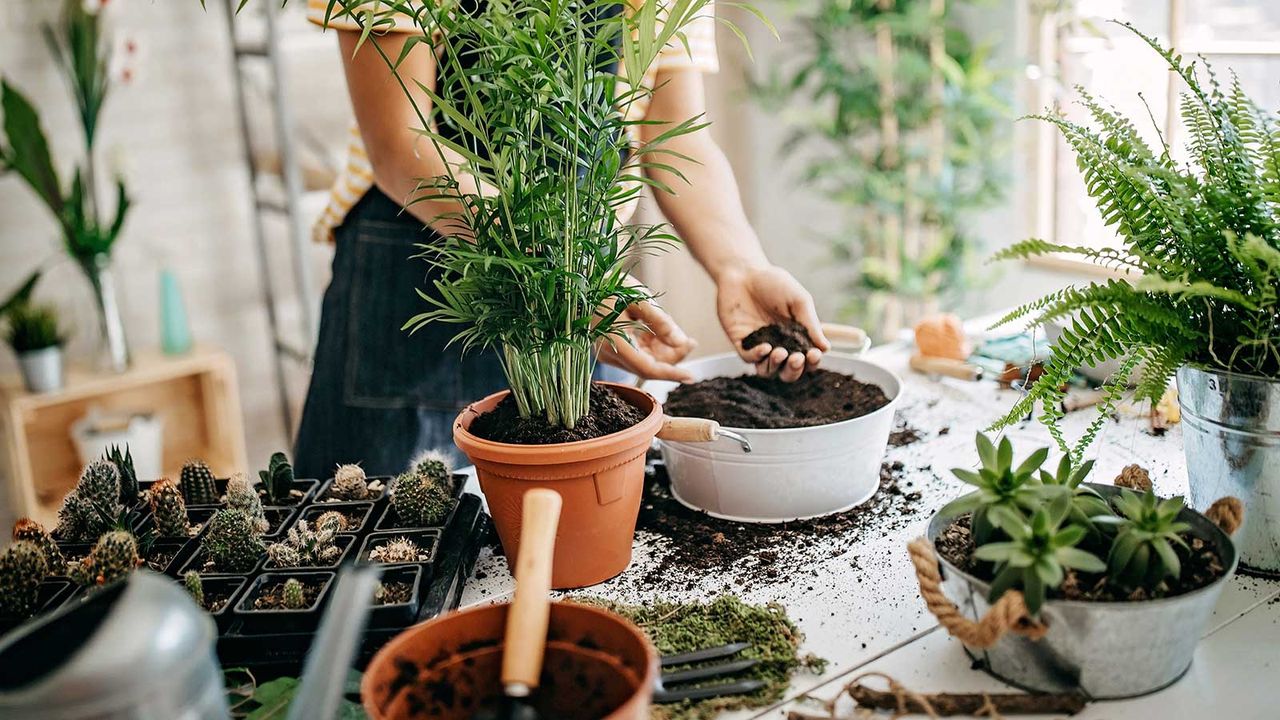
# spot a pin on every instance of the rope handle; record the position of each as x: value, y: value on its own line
x: 1008, y: 614
x: 1227, y: 513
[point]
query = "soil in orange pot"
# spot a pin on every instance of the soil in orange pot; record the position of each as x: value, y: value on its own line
x: 609, y: 414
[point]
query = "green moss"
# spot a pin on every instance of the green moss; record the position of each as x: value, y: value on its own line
x: 681, y: 627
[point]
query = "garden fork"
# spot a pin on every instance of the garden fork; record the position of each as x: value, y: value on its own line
x: 665, y: 693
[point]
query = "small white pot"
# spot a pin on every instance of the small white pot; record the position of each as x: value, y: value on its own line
x: 42, y: 369
x: 790, y: 473
x: 97, y: 431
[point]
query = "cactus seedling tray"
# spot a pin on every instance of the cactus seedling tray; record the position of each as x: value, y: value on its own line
x: 439, y: 589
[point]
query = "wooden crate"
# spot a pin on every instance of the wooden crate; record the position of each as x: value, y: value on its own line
x: 195, y: 395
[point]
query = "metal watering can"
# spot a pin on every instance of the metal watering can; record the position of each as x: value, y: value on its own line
x: 139, y: 650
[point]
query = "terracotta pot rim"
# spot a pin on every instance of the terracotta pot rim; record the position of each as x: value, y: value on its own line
x: 648, y: 425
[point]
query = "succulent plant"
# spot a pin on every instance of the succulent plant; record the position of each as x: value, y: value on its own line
x: 231, y: 542
x: 32, y: 531
x: 292, y: 595
x: 349, y: 483
x: 1142, y: 554
x: 399, y: 550
x: 89, y: 509
x: 195, y: 586
x: 1086, y: 503
x: 198, y: 484
x: 23, y: 567
x: 169, y: 509
x: 242, y: 497
x: 333, y: 519
x: 304, y: 546
x: 1000, y: 485
x: 277, y: 479
x: 423, y: 495
x: 114, y: 557
x: 128, y: 476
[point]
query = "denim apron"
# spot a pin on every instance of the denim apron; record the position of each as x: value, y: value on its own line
x: 379, y: 395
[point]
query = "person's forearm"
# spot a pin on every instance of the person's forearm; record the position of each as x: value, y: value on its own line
x: 706, y: 211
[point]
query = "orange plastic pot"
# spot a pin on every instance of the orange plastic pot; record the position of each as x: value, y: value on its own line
x: 597, y: 666
x: 601, y: 481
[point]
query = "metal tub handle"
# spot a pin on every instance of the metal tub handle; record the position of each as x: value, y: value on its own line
x: 698, y: 430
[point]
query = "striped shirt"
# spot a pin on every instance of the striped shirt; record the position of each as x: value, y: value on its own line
x: 357, y: 176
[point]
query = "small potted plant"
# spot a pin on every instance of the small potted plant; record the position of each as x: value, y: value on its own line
x: 395, y: 600
x: 34, y: 333
x: 1201, y: 253
x: 400, y: 548
x: 349, y: 484
x: 304, y: 546
x: 279, y: 487
x: 25, y: 587
x: 422, y: 497
x: 1055, y: 584
x: 284, y: 602
x: 214, y: 595
x: 230, y: 545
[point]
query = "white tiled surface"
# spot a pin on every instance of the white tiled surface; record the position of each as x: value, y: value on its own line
x: 864, y: 612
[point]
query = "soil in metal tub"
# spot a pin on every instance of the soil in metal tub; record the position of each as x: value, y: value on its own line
x: 819, y: 397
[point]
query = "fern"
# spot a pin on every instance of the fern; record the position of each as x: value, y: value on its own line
x: 1202, y: 241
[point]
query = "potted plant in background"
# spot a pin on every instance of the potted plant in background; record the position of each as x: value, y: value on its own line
x: 1200, y: 243
x: 34, y: 333
x: 82, y: 52
x: 534, y: 98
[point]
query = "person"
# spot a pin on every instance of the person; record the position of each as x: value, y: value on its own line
x: 379, y: 395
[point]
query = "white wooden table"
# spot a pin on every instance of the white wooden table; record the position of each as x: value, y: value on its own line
x: 864, y: 612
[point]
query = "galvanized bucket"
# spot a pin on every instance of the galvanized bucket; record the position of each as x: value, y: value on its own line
x: 1108, y: 650
x: 1231, y: 434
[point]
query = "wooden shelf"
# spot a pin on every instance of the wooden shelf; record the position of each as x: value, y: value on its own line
x: 195, y: 395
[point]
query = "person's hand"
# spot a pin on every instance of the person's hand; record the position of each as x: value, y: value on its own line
x: 751, y: 298
x: 656, y: 344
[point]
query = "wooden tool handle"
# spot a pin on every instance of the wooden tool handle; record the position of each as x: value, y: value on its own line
x: 527, y: 619
x: 945, y: 366
x: 688, y: 429
x: 845, y: 335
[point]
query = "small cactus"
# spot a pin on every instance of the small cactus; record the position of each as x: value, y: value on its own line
x: 293, y: 597
x: 197, y: 483
x: 421, y: 499
x: 114, y: 557
x: 169, y: 509
x: 22, y: 568
x: 334, y: 519
x: 195, y: 586
x: 399, y: 550
x: 128, y: 476
x: 349, y: 483
x: 231, y: 542
x: 277, y: 479
x: 89, y: 509
x: 32, y: 531
x: 242, y: 497
x: 304, y: 546
x: 433, y: 463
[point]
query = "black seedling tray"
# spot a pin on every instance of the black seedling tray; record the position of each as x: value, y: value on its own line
x: 439, y: 589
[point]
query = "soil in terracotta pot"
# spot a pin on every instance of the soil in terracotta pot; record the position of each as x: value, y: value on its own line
x: 791, y: 336
x: 271, y: 597
x: 1200, y: 566
x: 609, y: 414
x: 819, y: 397
x: 393, y: 593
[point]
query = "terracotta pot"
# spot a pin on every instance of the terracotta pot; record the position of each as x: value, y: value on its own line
x: 597, y: 666
x: 601, y: 481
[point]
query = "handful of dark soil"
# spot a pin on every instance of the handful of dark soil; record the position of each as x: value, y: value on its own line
x: 791, y: 336
x: 609, y: 414
x: 819, y: 397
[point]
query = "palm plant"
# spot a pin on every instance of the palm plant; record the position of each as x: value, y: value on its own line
x: 1200, y: 244
x: 535, y: 96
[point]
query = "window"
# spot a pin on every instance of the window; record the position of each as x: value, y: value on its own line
x: 1076, y: 45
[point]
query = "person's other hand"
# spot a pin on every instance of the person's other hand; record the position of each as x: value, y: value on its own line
x: 749, y: 299
x: 654, y: 344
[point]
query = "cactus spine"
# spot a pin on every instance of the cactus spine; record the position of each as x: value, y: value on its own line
x: 399, y: 550
x: 198, y: 485
x: 128, y: 476
x: 243, y: 498
x: 423, y: 495
x: 91, y: 507
x: 195, y: 586
x: 169, y: 509
x: 277, y: 479
x: 306, y: 547
x: 333, y: 519
x: 22, y: 568
x: 349, y: 483
x: 231, y: 542
x: 32, y: 531
x: 114, y: 557
x: 294, y: 599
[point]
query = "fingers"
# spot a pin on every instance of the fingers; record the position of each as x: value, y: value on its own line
x: 662, y: 325
x: 622, y: 354
x: 756, y: 354
x: 803, y: 311
x: 792, y: 369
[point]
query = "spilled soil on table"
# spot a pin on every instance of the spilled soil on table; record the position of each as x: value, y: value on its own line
x: 819, y: 397
x: 747, y: 554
